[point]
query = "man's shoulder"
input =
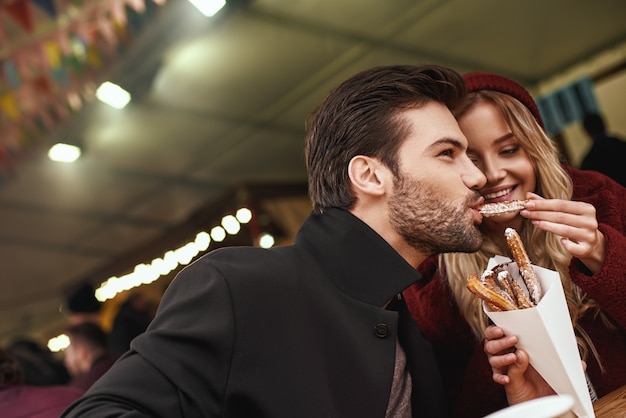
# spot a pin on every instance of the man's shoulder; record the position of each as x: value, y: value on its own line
x: 233, y: 262
x: 248, y: 255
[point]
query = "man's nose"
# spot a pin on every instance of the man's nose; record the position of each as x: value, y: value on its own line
x: 474, y: 177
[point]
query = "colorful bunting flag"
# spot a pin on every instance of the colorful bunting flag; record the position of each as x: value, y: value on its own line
x: 52, y: 53
x: 47, y: 6
x: 44, y: 78
x: 8, y: 104
x: 20, y: 11
x: 11, y: 74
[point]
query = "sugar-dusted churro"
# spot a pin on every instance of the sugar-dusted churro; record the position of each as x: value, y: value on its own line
x: 520, y: 257
x: 496, y: 300
x: 499, y: 290
x: 499, y: 208
x: 521, y: 299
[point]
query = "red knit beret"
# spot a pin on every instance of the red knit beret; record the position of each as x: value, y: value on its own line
x: 489, y: 81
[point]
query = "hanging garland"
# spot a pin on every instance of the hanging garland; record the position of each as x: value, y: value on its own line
x: 52, y: 53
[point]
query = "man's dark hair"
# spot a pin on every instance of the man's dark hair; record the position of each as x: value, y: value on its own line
x: 90, y: 335
x: 362, y: 116
x: 593, y: 124
x: 10, y: 370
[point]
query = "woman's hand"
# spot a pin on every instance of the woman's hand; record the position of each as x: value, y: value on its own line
x: 575, y: 222
x: 511, y: 368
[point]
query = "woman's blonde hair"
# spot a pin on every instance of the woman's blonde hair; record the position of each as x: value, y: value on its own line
x: 544, y: 248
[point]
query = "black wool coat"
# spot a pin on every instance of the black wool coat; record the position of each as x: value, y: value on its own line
x: 294, y: 331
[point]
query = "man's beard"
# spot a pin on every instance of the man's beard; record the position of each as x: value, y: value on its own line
x: 428, y: 222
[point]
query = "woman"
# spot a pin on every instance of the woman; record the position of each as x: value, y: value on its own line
x: 574, y: 223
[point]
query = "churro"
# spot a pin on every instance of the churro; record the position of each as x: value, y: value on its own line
x: 499, y: 208
x: 499, y: 290
x: 520, y: 257
x: 496, y: 300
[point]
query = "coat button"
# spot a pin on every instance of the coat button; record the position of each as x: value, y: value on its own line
x: 381, y: 330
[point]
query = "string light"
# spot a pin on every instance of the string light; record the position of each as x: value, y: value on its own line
x: 218, y: 234
x: 208, y: 7
x: 161, y: 266
x: 231, y: 224
x: 113, y: 95
x: 58, y: 343
x: 244, y: 215
x: 266, y: 240
x: 64, y: 153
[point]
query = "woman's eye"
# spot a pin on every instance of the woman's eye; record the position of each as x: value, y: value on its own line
x: 474, y: 159
x: 509, y: 151
x: 447, y: 153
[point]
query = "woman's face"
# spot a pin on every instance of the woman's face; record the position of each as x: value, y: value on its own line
x: 497, y: 153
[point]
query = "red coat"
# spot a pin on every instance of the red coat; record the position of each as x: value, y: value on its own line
x: 467, y: 373
x: 36, y: 401
x: 98, y: 368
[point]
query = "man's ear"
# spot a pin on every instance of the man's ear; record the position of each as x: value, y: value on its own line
x: 367, y: 175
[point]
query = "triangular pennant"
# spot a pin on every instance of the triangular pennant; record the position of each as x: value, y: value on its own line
x: 9, y: 106
x: 59, y: 75
x: 47, y: 6
x: 21, y: 12
x: 43, y: 85
x: 3, y: 36
x: 11, y: 74
x: 93, y: 57
x: 52, y: 54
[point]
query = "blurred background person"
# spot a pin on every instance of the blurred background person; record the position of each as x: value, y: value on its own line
x: 132, y: 319
x: 20, y: 400
x: 607, y: 152
x: 82, y: 305
x: 38, y: 364
x: 87, y: 357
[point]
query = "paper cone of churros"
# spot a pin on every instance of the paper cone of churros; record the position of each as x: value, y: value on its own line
x: 544, y: 330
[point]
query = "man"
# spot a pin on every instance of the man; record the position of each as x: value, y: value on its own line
x: 87, y: 357
x: 317, y: 329
x: 607, y: 153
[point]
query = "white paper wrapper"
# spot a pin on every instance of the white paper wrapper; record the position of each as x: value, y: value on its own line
x: 555, y: 406
x: 545, y: 332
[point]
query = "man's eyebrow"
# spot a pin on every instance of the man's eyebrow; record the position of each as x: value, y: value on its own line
x: 447, y: 141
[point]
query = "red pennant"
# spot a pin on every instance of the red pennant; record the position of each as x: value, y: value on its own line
x: 42, y: 84
x: 3, y: 36
x: 21, y: 12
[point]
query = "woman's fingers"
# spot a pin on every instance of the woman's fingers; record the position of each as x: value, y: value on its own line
x: 575, y: 222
